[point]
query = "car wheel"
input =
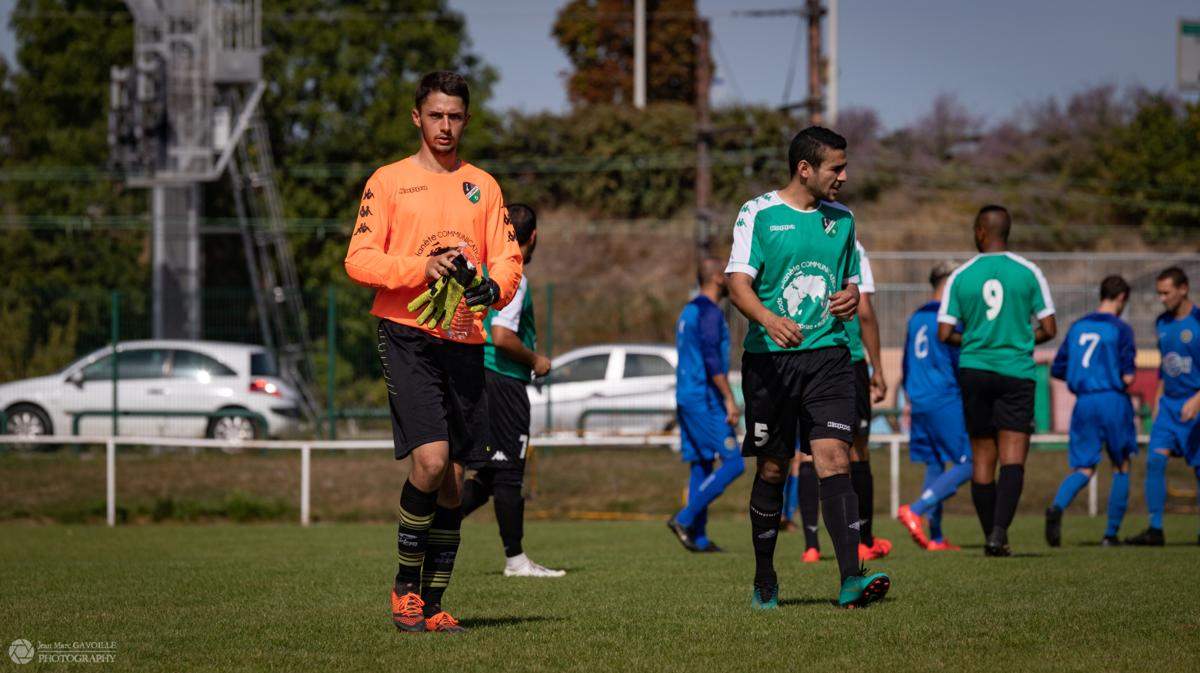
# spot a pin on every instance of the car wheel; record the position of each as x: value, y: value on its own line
x: 232, y: 428
x: 28, y: 420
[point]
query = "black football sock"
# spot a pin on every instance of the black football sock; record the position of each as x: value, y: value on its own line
x: 766, y: 506
x: 864, y: 488
x: 984, y: 497
x: 510, y: 517
x: 1008, y: 493
x: 475, y: 494
x: 810, y: 508
x: 439, y: 557
x: 839, y: 505
x: 412, y: 535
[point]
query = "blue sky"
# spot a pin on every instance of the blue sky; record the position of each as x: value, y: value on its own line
x: 896, y: 56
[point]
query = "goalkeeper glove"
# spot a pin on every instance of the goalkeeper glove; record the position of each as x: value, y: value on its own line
x: 442, y: 298
x: 482, y: 294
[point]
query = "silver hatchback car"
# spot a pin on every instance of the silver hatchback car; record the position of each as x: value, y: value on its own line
x: 169, y: 383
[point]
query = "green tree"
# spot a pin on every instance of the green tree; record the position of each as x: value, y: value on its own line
x: 597, y: 36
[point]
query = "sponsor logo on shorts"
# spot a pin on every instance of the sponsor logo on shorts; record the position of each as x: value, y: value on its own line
x: 838, y: 426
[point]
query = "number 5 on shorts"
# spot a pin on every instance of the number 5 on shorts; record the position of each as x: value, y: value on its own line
x: 761, y: 436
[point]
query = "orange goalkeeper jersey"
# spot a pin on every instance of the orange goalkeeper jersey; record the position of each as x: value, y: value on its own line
x: 407, y: 213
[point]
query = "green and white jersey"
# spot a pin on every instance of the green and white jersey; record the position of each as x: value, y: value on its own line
x: 866, y: 285
x: 796, y: 258
x: 994, y: 295
x: 518, y: 317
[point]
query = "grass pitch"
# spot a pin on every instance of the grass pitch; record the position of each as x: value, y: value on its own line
x: 278, y: 597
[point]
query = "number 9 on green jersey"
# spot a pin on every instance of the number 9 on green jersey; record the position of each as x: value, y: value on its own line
x: 995, y: 296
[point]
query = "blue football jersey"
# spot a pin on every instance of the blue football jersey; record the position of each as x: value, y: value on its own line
x: 702, y: 340
x: 930, y: 366
x: 1179, y: 344
x: 1097, y: 351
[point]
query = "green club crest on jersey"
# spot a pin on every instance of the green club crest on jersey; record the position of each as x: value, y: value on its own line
x: 830, y: 225
x: 805, y: 296
x: 471, y: 192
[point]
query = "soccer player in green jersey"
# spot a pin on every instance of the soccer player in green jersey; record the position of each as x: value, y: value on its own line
x: 510, y: 361
x: 793, y: 273
x: 995, y: 296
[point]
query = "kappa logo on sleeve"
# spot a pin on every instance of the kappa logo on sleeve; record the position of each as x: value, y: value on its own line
x: 362, y: 229
x: 471, y: 192
x: 365, y: 211
x: 369, y: 195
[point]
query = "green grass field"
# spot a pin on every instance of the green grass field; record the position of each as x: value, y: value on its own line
x: 279, y: 597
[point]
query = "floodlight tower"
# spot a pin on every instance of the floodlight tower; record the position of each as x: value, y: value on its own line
x: 187, y: 113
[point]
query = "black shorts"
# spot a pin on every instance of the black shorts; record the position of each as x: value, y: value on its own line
x: 807, y: 392
x: 508, y: 427
x: 435, y: 390
x: 862, y: 400
x: 994, y: 402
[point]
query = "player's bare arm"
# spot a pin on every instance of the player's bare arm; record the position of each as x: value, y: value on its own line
x: 843, y: 304
x: 1190, y: 408
x: 1046, y: 329
x: 507, y: 342
x: 783, y: 331
x: 870, y: 339
x: 947, y: 335
x: 732, y: 412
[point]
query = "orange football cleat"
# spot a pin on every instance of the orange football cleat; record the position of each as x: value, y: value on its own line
x: 913, y: 524
x: 879, y: 549
x: 812, y: 555
x: 406, y: 612
x: 944, y: 545
x: 444, y: 623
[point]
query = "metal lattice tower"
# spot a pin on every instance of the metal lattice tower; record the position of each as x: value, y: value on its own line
x: 186, y: 113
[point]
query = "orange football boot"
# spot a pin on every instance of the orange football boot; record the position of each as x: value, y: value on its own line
x: 912, y: 522
x: 406, y: 612
x: 812, y: 555
x: 944, y: 545
x: 444, y: 623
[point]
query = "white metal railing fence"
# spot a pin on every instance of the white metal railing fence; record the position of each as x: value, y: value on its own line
x: 893, y: 443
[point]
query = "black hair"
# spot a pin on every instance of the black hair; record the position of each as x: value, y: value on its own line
x: 449, y: 83
x: 1000, y: 228
x: 1113, y: 287
x: 940, y: 271
x: 810, y: 145
x: 707, y: 267
x: 1176, y: 274
x: 523, y: 221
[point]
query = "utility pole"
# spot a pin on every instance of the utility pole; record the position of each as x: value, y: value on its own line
x: 704, y: 133
x: 639, y: 54
x: 831, y: 72
x: 814, y: 11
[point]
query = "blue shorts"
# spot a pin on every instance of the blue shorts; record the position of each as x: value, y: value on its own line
x: 1182, y: 439
x: 704, y: 434
x: 939, y: 437
x: 1103, y: 419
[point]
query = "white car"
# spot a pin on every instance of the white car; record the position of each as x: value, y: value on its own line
x: 158, y: 376
x: 599, y: 379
